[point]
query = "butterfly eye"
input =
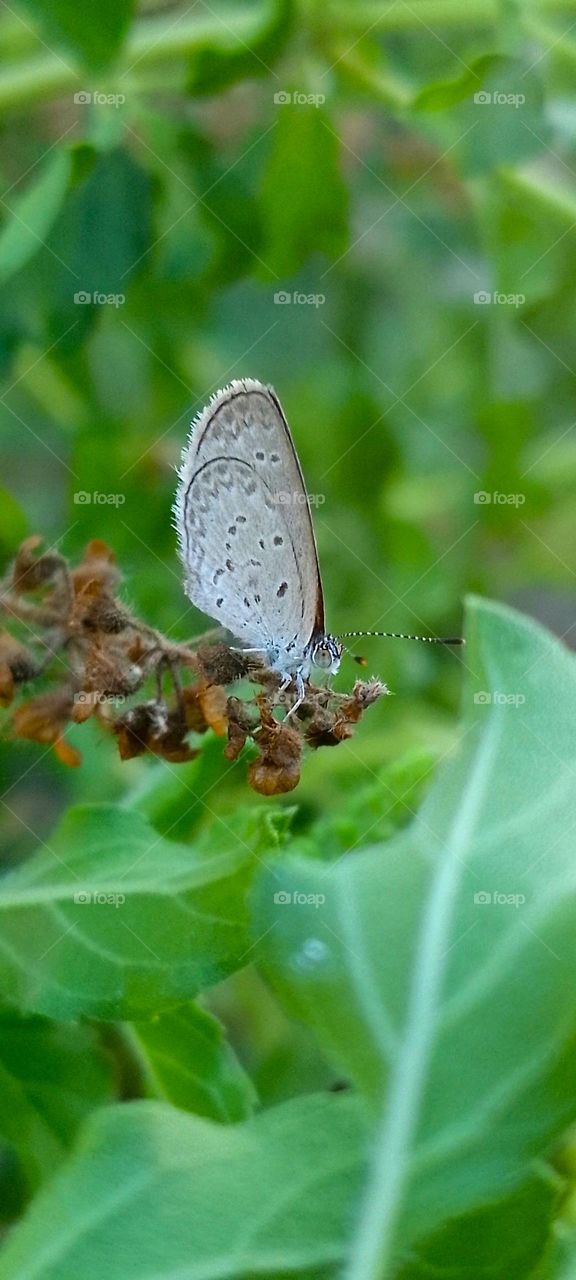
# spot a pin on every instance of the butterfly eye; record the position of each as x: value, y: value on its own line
x: 322, y: 657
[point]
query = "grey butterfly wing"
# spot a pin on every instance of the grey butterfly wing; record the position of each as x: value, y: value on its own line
x: 240, y: 460
x: 240, y: 566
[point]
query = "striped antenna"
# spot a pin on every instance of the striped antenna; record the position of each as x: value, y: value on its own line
x: 399, y: 635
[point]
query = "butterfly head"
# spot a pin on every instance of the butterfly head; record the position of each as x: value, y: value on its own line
x: 326, y: 653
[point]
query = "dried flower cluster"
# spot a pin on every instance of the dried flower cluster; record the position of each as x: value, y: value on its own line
x: 72, y: 631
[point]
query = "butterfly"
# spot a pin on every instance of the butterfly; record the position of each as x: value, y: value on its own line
x: 246, y: 538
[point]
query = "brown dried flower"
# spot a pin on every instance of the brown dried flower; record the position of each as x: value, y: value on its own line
x: 97, y: 653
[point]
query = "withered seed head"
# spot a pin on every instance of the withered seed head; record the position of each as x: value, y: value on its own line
x: 220, y: 664
x: 105, y: 653
x: 105, y: 614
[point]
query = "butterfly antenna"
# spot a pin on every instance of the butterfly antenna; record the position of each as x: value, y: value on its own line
x: 400, y: 635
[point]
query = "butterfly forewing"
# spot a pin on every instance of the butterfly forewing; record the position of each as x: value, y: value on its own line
x: 244, y: 524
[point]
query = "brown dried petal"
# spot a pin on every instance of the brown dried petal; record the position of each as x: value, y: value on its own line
x: 236, y: 739
x: 97, y: 571
x: 366, y: 692
x: 220, y: 664
x: 106, y: 673
x: 327, y: 729
x: 150, y: 727
x: 67, y: 754
x: 16, y: 666
x: 278, y: 768
x: 195, y: 720
x: 85, y: 703
x: 43, y: 718
x: 244, y: 714
x: 6, y: 685
x: 171, y: 744
x: 105, y: 614
x: 213, y: 702
x: 30, y: 571
x: 272, y: 780
x: 281, y: 745
x: 135, y: 728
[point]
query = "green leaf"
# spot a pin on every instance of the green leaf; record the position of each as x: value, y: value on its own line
x: 112, y: 920
x: 153, y: 1192
x: 192, y: 1065
x: 304, y: 199
x: 500, y: 1240
x: 234, y: 50
x: 435, y: 967
x: 446, y: 93
x: 92, y: 34
x: 106, y: 226
x: 51, y: 1076
x: 32, y: 214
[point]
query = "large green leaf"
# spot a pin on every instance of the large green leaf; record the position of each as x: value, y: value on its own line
x: 438, y: 968
x: 191, y: 1064
x: 153, y: 1193
x: 91, y: 34
x: 112, y: 920
x: 51, y: 1075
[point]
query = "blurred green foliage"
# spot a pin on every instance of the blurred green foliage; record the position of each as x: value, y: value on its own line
x: 424, y: 157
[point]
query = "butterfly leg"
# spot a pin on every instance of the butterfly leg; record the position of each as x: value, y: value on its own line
x: 301, y: 693
x: 236, y: 649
